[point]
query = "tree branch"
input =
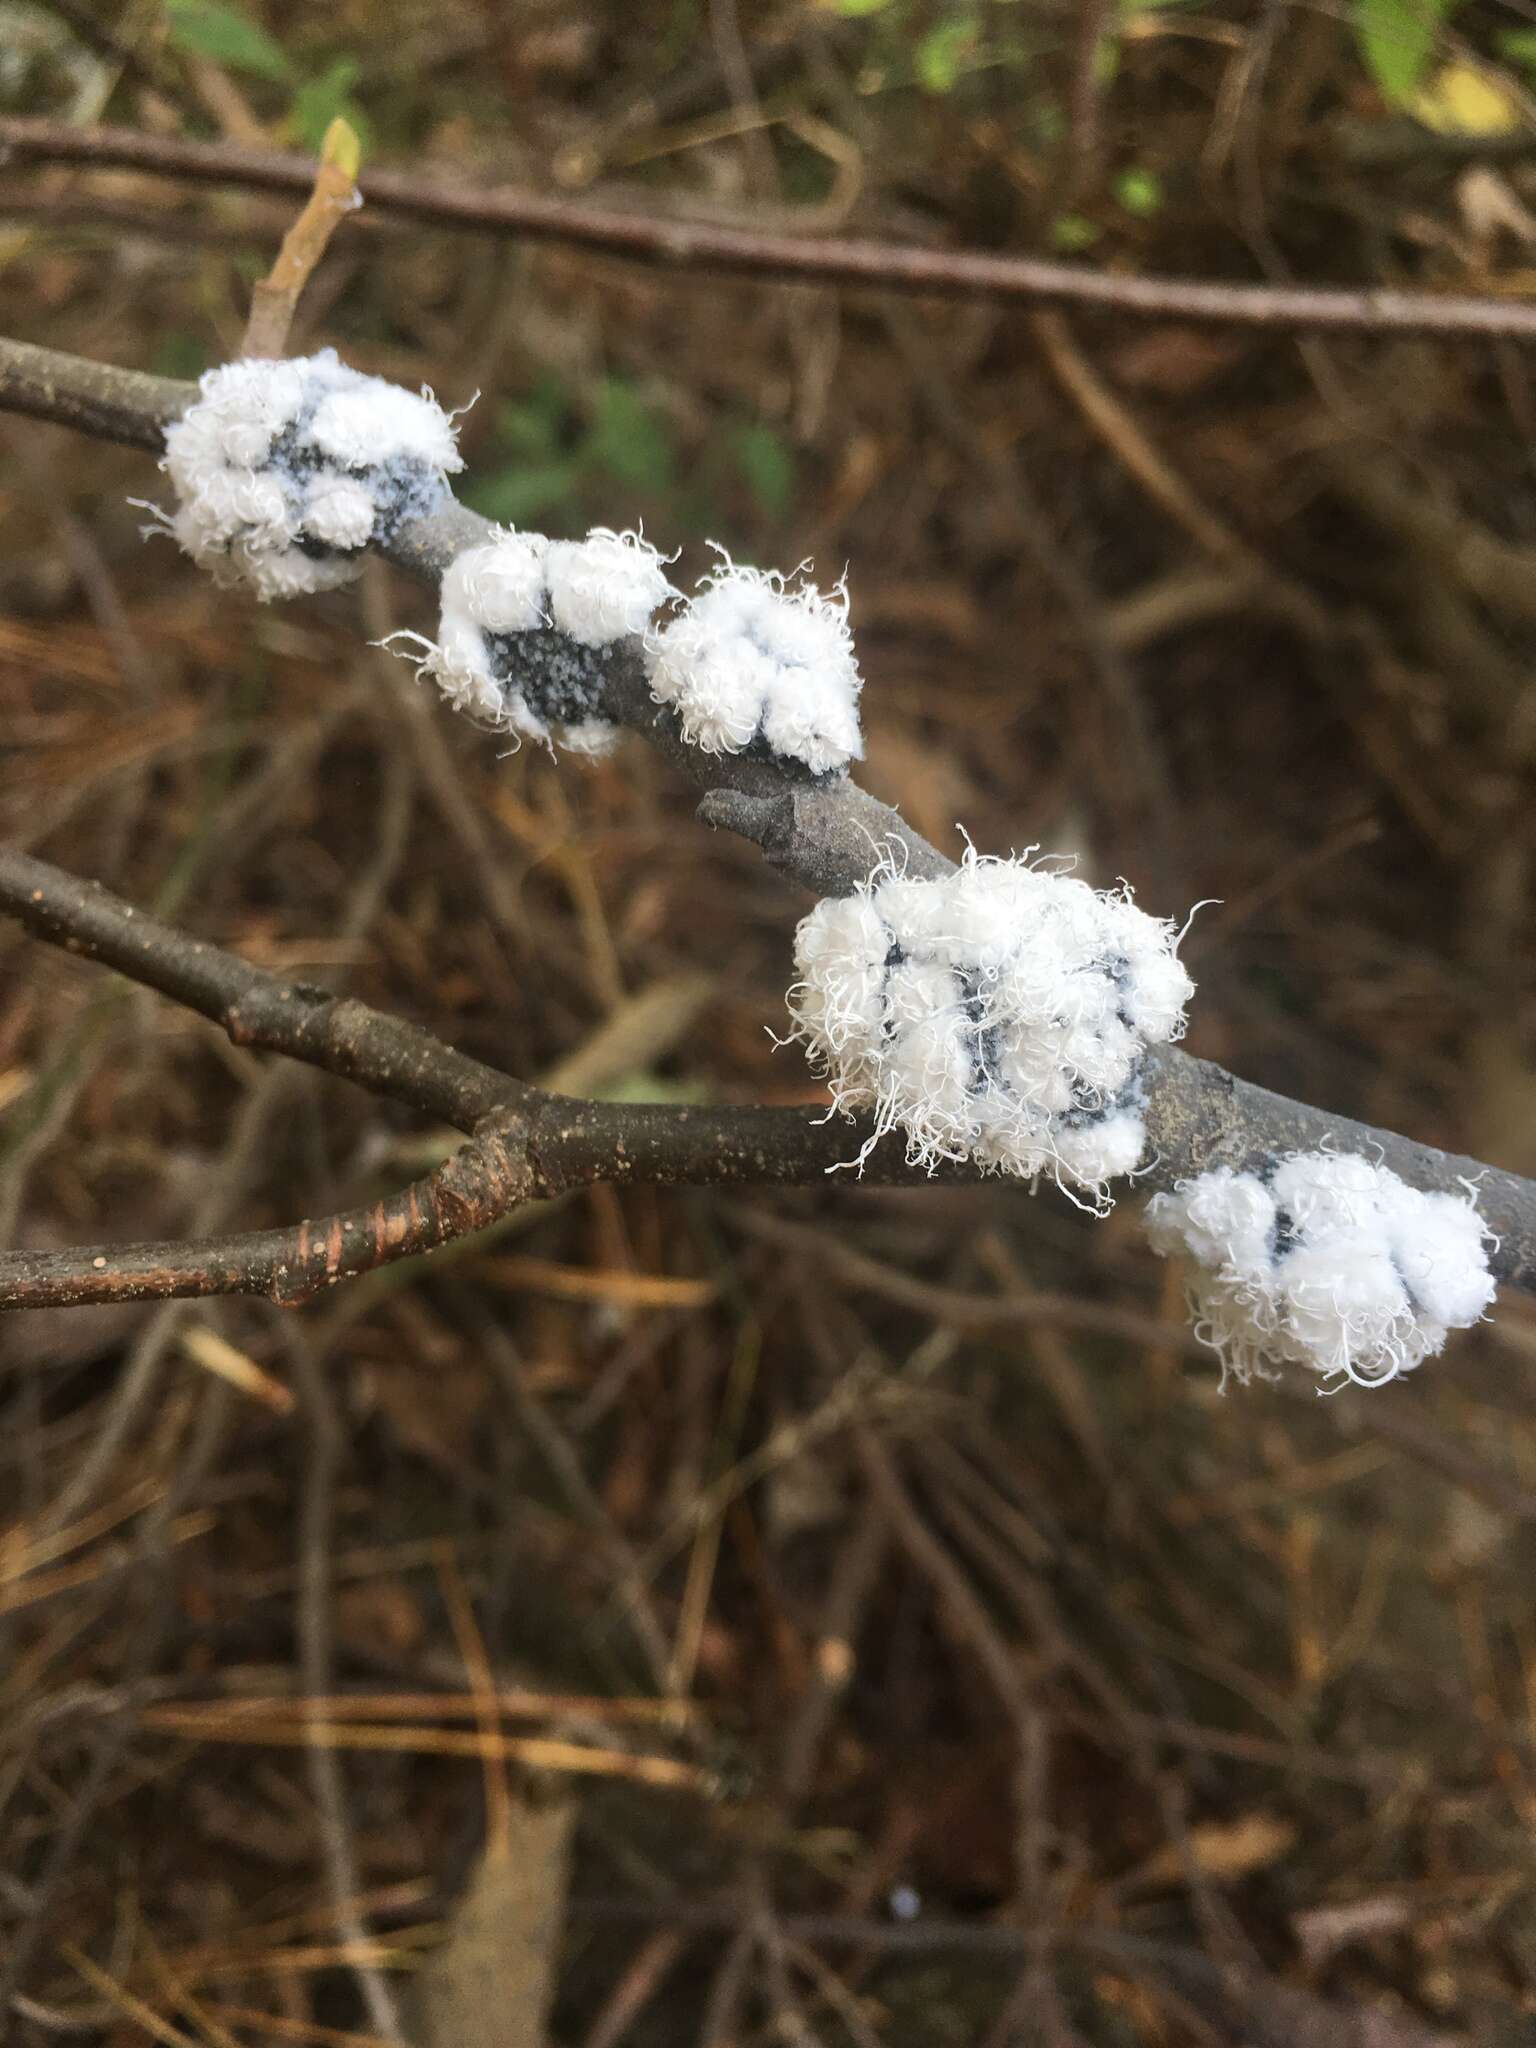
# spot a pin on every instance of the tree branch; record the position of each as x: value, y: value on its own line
x: 526, y: 1144
x: 480, y: 1183
x: 708, y: 245
x: 96, y: 398
x: 825, y: 833
x: 384, y: 1054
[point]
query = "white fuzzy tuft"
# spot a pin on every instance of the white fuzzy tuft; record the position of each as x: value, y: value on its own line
x: 500, y: 587
x: 364, y: 422
x: 284, y: 472
x: 576, y: 598
x: 997, y: 1015
x: 751, y: 659
x: 604, y: 588
x: 1325, y: 1261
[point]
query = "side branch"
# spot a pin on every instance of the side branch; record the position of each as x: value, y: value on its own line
x: 385, y: 1054
x: 527, y: 1144
x: 481, y: 1182
x: 708, y: 245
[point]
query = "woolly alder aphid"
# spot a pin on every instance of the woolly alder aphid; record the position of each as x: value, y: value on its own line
x: 999, y: 1015
x: 754, y: 661
x: 748, y: 662
x: 287, y: 472
x: 1327, y: 1261
x: 525, y: 625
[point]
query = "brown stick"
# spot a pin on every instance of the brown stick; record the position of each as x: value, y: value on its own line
x: 275, y: 298
x: 708, y: 245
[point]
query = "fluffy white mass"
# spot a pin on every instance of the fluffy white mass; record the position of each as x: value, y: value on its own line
x: 1325, y: 1261
x: 751, y: 659
x: 1000, y: 1015
x: 524, y: 622
x: 285, y: 471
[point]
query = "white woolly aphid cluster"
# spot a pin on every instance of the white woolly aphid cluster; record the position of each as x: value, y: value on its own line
x: 749, y: 661
x: 1000, y: 1015
x: 523, y: 621
x: 1325, y: 1261
x: 286, y: 471
x: 754, y: 660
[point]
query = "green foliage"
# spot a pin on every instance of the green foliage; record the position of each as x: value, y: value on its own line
x: 1072, y: 233
x: 325, y: 98
x: 225, y: 36
x: 556, y: 457
x: 564, y: 460
x: 204, y: 28
x: 644, y: 1085
x: 1139, y: 191
x: 179, y: 353
x: 629, y: 441
x: 945, y: 53
x: 767, y: 464
x: 936, y: 46
x: 1397, y: 39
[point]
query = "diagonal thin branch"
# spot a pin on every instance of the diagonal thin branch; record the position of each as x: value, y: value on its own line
x: 708, y: 245
x: 385, y: 1054
x: 824, y: 833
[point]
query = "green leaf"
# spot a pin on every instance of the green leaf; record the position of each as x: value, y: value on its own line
x: 767, y: 462
x: 942, y: 54
x: 1071, y: 233
x: 1043, y: 121
x: 320, y: 101
x: 855, y: 8
x: 535, y: 426
x: 180, y: 354
x: 523, y: 492
x: 1397, y: 39
x: 644, y: 1086
x: 628, y: 440
x: 1139, y: 191
x: 205, y: 29
x: 1518, y: 45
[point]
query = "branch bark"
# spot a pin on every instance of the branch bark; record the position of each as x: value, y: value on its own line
x: 707, y: 245
x: 825, y: 834
x: 526, y: 1144
x: 96, y: 398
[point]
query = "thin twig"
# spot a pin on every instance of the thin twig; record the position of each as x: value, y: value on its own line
x: 275, y: 297
x: 322, y: 1762
x: 707, y: 245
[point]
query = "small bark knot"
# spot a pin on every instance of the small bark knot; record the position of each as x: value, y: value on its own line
x: 484, y: 1178
x: 248, y: 1019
